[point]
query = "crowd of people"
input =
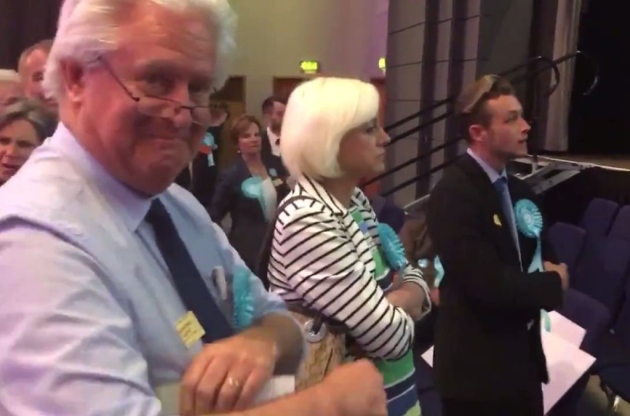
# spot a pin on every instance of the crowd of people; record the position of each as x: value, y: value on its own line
x: 120, y: 280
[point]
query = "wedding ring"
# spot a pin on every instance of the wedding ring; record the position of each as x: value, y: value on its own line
x: 233, y: 383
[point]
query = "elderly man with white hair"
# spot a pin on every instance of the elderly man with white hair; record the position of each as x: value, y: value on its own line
x: 114, y: 282
x: 330, y: 259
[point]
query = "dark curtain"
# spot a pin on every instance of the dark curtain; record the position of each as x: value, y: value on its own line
x: 23, y: 23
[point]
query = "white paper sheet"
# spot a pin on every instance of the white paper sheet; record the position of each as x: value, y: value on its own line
x: 277, y: 387
x: 566, y: 363
x: 566, y: 329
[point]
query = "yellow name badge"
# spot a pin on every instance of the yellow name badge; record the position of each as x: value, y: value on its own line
x: 189, y: 329
x: 277, y: 182
x: 497, y: 221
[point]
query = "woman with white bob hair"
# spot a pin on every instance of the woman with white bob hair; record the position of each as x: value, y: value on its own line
x: 341, y: 273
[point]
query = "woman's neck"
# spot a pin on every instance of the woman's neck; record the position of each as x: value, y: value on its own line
x: 251, y: 158
x: 341, y: 188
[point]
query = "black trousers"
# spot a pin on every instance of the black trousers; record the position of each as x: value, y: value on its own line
x: 528, y: 405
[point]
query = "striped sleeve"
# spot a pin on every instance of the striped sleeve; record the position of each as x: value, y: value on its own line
x: 324, y: 268
x: 410, y: 274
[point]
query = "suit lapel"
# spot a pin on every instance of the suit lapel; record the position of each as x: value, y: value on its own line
x: 500, y: 224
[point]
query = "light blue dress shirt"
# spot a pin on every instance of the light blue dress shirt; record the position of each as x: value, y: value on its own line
x: 506, y: 199
x: 88, y: 309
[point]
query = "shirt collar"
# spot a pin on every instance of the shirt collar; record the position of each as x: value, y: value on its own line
x: 493, y: 175
x: 317, y: 191
x: 126, y: 202
x: 272, y: 136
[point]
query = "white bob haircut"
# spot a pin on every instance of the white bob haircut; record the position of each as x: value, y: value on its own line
x: 319, y: 114
x: 88, y: 28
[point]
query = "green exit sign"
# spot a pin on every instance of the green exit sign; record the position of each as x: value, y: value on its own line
x: 309, y: 67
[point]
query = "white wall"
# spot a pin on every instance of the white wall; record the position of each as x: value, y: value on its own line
x: 346, y: 36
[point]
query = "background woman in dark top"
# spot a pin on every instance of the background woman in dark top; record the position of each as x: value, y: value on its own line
x: 249, y: 190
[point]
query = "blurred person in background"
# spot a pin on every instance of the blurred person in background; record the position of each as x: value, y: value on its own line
x: 273, y: 113
x: 31, y: 67
x: 24, y: 125
x: 10, y: 88
x: 249, y: 190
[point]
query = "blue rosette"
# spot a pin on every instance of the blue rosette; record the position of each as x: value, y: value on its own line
x: 243, y: 299
x: 273, y: 173
x: 252, y: 188
x: 529, y: 222
x: 392, y: 247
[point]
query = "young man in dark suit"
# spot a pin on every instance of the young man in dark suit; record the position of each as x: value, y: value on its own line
x: 488, y: 354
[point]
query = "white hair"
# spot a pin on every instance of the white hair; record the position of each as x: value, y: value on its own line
x: 319, y: 113
x: 9, y: 75
x: 88, y: 28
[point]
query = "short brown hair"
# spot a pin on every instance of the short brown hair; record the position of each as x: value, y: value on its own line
x: 43, y: 45
x: 267, y: 105
x: 240, y: 124
x: 470, y: 106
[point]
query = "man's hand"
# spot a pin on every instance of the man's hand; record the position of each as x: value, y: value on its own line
x: 561, y: 269
x: 434, y: 294
x: 355, y: 390
x: 228, y: 375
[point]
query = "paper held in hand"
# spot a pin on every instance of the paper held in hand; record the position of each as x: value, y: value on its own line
x: 566, y: 362
x: 277, y: 387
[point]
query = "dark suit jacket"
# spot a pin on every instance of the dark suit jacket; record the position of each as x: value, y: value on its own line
x: 483, y: 347
x: 268, y: 156
x: 249, y: 225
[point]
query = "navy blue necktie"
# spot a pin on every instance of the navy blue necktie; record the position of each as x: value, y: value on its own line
x: 501, y: 185
x: 188, y: 281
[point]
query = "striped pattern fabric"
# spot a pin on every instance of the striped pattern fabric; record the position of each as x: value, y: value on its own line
x: 322, y: 259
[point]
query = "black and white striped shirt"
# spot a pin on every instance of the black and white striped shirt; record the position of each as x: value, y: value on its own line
x: 321, y: 259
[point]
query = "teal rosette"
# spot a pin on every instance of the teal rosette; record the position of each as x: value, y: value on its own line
x: 392, y: 247
x: 439, y: 271
x: 529, y: 221
x: 252, y: 188
x: 243, y: 300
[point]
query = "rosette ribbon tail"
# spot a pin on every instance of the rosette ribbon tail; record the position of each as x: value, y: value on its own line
x: 529, y: 222
x: 243, y: 299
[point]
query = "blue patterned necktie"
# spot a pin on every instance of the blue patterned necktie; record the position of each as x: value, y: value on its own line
x: 501, y: 185
x: 188, y: 281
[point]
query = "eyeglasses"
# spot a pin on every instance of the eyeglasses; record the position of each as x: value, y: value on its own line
x: 470, y: 99
x: 162, y: 107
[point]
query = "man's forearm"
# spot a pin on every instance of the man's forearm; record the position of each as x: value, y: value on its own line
x: 288, y: 339
x: 310, y: 402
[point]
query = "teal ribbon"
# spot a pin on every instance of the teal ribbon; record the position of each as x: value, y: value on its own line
x: 392, y: 247
x: 243, y: 299
x: 529, y: 221
x: 209, y: 141
x: 439, y: 271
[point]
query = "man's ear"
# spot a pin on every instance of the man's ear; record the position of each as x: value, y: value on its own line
x: 73, y: 79
x: 476, y: 132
